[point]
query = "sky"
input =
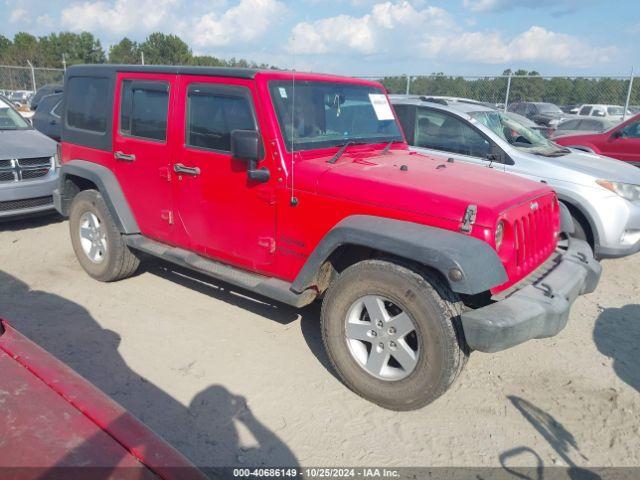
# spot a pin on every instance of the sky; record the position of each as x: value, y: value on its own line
x: 366, y: 37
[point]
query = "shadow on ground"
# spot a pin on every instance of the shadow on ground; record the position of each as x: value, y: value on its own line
x: 30, y: 222
x: 205, y: 431
x: 557, y: 436
x: 617, y: 335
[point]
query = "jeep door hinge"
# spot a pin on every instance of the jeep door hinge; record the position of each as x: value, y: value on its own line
x: 167, y: 215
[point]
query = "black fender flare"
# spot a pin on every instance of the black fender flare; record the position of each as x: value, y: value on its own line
x: 440, y: 249
x: 109, y: 188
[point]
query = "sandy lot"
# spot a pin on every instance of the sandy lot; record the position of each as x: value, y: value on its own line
x: 231, y: 380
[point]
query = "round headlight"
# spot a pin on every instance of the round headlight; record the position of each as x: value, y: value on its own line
x: 499, y: 234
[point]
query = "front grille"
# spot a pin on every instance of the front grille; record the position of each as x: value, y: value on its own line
x: 15, y: 170
x: 534, y: 235
x: 26, y: 203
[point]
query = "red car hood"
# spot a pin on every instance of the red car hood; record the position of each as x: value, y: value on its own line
x: 412, y: 182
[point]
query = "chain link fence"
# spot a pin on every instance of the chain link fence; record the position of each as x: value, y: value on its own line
x: 28, y: 78
x: 503, y: 90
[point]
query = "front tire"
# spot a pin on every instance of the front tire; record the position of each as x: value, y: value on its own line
x: 392, y: 334
x: 96, y: 240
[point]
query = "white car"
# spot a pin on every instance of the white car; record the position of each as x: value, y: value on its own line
x: 613, y: 112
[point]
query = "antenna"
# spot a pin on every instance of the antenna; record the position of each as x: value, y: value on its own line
x: 293, y: 200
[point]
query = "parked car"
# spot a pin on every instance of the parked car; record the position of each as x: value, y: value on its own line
x: 20, y: 97
x: 571, y: 109
x: 621, y: 142
x: 27, y: 166
x: 544, y: 131
x: 300, y: 186
x: 47, y: 117
x: 602, y: 194
x: 42, y: 92
x: 542, y: 113
x: 55, y: 424
x: 578, y: 126
x: 614, y: 112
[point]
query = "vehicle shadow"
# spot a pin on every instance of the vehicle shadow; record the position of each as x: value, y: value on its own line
x: 205, y: 431
x: 617, y: 335
x: 201, y: 283
x: 30, y: 221
x: 557, y: 436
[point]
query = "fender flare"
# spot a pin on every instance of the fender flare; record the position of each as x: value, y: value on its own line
x: 574, y: 203
x: 109, y: 188
x: 433, y: 247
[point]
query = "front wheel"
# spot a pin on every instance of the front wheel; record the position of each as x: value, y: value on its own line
x: 392, y: 334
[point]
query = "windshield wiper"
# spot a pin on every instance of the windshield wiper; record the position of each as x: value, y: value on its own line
x: 339, y: 153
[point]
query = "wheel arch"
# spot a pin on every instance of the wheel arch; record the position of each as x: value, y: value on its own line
x: 361, y: 237
x: 585, y: 219
x: 79, y: 175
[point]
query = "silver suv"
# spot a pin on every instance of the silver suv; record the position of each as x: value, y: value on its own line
x: 28, y: 173
x: 602, y: 194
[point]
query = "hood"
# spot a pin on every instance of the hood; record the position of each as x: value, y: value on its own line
x: 598, y: 166
x: 411, y: 182
x: 25, y: 144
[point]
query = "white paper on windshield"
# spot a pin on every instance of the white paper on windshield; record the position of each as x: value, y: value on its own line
x: 381, y: 106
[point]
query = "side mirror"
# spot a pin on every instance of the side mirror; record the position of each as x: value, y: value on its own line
x: 617, y: 134
x: 247, y: 145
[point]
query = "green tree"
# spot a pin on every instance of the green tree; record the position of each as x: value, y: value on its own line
x: 161, y: 49
x: 125, y: 51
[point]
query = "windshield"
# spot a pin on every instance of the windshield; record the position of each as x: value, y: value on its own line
x: 326, y: 114
x: 10, y: 119
x: 549, y: 108
x: 518, y: 135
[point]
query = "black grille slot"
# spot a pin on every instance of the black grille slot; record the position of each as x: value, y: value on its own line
x: 7, y: 177
x: 26, y: 203
x: 5, y: 163
x: 34, y: 173
x: 35, y: 162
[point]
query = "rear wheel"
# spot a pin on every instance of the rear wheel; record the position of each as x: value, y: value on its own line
x: 96, y: 240
x: 392, y: 334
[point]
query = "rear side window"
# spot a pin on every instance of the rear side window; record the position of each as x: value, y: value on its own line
x: 570, y: 125
x: 213, y: 113
x: 586, y: 110
x: 87, y: 105
x: 57, y: 110
x: 144, y: 107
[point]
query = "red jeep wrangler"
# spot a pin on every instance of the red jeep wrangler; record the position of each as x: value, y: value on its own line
x: 301, y: 186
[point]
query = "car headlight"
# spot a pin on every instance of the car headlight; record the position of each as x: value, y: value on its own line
x: 499, y: 234
x: 627, y: 191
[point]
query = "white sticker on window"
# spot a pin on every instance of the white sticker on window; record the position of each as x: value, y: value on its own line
x: 381, y: 106
x: 283, y: 92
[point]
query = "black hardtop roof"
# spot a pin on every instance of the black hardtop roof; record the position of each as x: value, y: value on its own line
x: 110, y: 69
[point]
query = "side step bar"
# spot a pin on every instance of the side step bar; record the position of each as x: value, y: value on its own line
x: 267, y: 286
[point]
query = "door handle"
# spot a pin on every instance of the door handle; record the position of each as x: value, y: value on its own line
x: 125, y: 157
x: 180, y: 168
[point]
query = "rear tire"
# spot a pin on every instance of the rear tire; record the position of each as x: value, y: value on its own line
x: 437, y: 352
x: 97, y: 242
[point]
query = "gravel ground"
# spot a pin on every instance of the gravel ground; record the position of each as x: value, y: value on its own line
x: 231, y: 380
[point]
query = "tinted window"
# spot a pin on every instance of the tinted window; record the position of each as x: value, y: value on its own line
x: 87, y: 103
x: 213, y: 115
x: 586, y: 110
x: 570, y: 125
x: 57, y: 110
x: 440, y: 131
x: 632, y: 130
x: 590, y: 125
x: 143, y: 110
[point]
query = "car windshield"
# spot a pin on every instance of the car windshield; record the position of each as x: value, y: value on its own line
x: 518, y: 135
x: 548, y: 108
x: 10, y: 119
x: 325, y: 114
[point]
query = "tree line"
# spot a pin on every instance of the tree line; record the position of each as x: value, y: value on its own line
x: 525, y: 86
x: 56, y: 49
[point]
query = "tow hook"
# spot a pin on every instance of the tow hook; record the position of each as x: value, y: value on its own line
x: 548, y: 291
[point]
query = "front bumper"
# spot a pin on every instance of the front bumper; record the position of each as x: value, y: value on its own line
x: 27, y: 197
x: 538, y: 310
